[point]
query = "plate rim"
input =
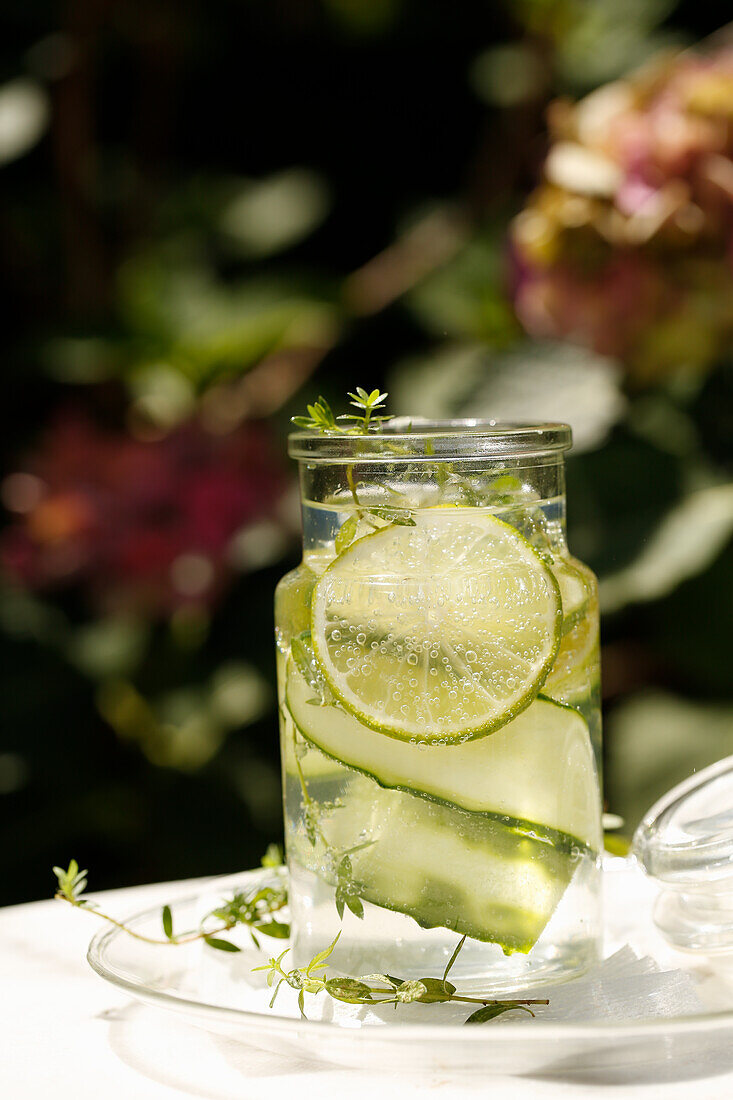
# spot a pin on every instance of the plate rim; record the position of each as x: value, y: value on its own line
x: 547, y: 1029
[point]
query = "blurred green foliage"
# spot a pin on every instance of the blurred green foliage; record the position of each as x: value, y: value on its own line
x: 213, y: 212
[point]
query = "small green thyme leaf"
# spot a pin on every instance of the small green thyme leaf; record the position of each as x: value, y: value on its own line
x: 251, y: 909
x: 320, y: 418
x: 382, y: 978
x: 350, y: 990
x: 319, y: 960
x: 354, y: 903
x: 220, y: 945
x: 277, y: 990
x: 346, y: 534
x: 406, y: 992
x: 304, y: 657
x: 402, y: 517
x: 71, y: 883
x: 490, y: 1012
x: 275, y: 929
x: 273, y: 857
x: 436, y: 990
x: 454, y: 956
x: 344, y: 868
x: 302, y: 654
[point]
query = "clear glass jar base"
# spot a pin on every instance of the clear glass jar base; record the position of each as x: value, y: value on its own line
x: 392, y: 943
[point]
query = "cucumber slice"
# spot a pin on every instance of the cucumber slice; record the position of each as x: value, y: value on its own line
x: 312, y: 764
x: 537, y: 773
x: 450, y: 869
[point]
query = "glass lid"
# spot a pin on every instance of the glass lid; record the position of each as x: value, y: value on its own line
x: 686, y: 838
x: 416, y: 439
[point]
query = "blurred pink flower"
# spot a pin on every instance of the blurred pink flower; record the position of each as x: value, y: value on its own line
x: 143, y: 526
x: 627, y: 244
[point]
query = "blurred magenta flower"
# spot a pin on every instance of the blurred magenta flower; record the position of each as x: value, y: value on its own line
x: 627, y: 245
x: 144, y: 526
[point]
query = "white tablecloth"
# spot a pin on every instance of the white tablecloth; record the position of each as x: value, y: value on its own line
x: 66, y: 1033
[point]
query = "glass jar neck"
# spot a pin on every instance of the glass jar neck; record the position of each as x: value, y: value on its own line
x: 513, y: 488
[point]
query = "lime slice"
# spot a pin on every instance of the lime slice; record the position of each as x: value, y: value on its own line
x: 439, y: 632
x: 577, y: 661
x: 575, y: 591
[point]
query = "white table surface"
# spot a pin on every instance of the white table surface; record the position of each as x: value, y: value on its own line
x: 64, y: 1032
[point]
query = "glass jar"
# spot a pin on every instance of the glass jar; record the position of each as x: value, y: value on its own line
x: 438, y: 670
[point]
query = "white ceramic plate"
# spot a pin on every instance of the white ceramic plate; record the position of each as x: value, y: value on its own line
x: 218, y: 991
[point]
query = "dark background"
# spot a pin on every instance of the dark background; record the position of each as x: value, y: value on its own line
x: 157, y: 116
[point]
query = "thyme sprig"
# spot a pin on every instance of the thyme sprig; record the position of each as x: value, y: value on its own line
x: 320, y: 416
x: 383, y: 989
x: 254, y: 910
x: 347, y: 894
x: 366, y: 421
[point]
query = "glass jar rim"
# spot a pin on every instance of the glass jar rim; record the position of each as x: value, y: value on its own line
x: 415, y: 439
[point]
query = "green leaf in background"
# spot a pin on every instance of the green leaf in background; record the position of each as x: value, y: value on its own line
x: 690, y: 630
x: 364, y: 17
x: 509, y: 73
x: 598, y: 40
x: 185, y: 728
x: 617, y: 497
x: 271, y: 214
x: 24, y: 116
x: 180, y: 313
x: 533, y: 381
x: 108, y: 647
x: 658, y: 740
x: 686, y: 542
x: 465, y: 298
